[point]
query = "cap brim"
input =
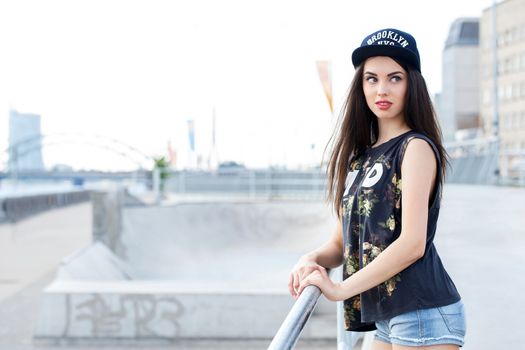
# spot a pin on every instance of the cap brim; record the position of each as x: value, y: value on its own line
x: 362, y: 53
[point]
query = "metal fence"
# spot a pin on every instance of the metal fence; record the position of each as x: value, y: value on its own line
x: 14, y: 209
x: 472, y: 162
x: 479, y: 161
x: 266, y: 183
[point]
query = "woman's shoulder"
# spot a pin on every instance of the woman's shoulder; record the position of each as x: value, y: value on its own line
x: 419, y: 149
x: 419, y: 142
x: 413, y: 134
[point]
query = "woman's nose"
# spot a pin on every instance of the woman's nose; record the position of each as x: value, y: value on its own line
x: 382, y: 89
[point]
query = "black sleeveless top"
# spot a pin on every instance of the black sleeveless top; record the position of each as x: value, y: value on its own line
x: 371, y: 208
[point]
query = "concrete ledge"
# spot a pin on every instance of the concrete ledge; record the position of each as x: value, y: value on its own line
x: 144, y: 310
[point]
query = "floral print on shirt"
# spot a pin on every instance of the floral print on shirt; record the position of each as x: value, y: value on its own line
x: 359, y: 211
x: 371, y: 221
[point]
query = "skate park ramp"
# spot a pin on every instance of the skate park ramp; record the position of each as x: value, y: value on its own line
x: 214, y: 269
x: 247, y: 244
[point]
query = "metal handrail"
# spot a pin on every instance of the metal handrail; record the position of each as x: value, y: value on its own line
x: 288, y: 334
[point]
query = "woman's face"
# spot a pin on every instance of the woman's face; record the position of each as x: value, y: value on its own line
x: 385, y: 85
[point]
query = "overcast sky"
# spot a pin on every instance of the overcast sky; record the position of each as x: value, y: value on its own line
x: 138, y: 70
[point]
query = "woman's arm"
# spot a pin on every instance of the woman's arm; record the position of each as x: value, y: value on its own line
x: 330, y: 254
x: 418, y: 169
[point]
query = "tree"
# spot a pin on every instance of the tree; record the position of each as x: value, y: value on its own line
x: 161, y: 163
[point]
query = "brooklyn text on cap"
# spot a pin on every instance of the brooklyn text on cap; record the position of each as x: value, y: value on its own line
x: 388, y: 42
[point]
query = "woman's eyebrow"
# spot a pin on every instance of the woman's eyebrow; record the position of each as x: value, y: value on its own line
x: 375, y: 75
x: 393, y: 73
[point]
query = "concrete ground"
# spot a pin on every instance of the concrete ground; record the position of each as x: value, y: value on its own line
x: 480, y: 238
x: 34, y: 247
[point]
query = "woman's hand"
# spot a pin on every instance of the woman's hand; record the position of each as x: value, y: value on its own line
x: 304, y: 267
x: 320, y: 278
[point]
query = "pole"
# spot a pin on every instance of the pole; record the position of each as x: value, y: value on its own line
x: 495, y: 97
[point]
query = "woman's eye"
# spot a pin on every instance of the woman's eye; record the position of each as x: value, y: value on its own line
x: 396, y: 78
x: 371, y: 79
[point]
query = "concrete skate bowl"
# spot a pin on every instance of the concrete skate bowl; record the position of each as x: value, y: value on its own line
x: 189, y: 270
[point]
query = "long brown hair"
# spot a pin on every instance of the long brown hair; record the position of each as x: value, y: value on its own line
x: 357, y: 128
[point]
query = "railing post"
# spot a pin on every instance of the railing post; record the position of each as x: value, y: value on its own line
x: 182, y: 182
x: 251, y: 180
x: 268, y: 183
x: 156, y: 184
x: 344, y: 337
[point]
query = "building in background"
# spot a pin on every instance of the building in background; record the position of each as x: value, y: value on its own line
x: 25, y: 143
x: 458, y: 102
x: 509, y: 105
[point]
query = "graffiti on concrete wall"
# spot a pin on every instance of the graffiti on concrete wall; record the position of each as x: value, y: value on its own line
x: 128, y: 315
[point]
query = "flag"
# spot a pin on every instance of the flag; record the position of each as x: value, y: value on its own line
x: 191, y: 134
x: 324, y: 69
x: 172, y: 155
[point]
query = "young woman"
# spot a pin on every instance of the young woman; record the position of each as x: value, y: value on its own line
x: 385, y: 178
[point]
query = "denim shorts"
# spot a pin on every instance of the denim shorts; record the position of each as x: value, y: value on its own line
x: 422, y: 327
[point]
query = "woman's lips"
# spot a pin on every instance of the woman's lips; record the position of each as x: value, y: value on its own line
x: 383, y: 105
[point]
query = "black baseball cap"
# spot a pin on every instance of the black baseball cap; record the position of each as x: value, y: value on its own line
x: 388, y: 42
